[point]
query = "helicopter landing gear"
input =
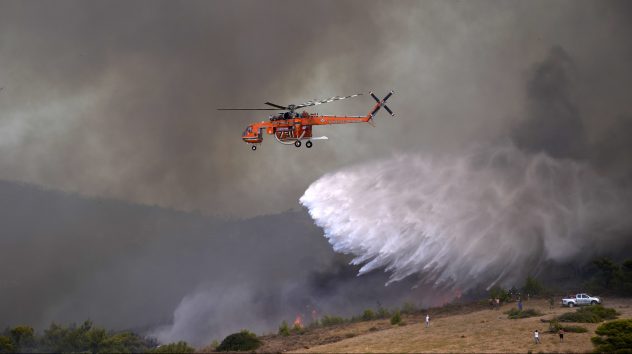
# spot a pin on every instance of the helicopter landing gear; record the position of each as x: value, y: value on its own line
x: 308, y: 144
x: 297, y: 143
x: 253, y: 148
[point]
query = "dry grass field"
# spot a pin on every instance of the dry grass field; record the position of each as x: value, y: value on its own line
x: 480, y: 331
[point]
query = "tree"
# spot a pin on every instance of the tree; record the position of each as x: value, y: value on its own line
x: 609, y: 271
x: 23, y: 337
x: 499, y: 293
x: 532, y: 286
x: 626, y: 278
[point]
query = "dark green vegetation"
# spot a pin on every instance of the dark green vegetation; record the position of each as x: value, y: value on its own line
x: 332, y: 320
x: 179, y: 347
x: 515, y: 313
x: 85, y: 338
x: 601, y: 276
x: 589, y: 314
x: 396, y: 318
x: 532, y: 287
x: 240, y: 341
x: 607, y: 277
x: 499, y: 293
x: 284, y: 329
x: 614, y: 337
x: 555, y: 326
x: 368, y: 315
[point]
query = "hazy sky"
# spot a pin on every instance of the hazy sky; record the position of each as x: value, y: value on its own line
x: 118, y: 98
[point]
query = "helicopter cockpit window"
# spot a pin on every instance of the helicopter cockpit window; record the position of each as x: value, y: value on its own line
x: 247, y: 131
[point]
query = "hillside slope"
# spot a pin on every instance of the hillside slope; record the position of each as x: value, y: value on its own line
x: 479, y: 331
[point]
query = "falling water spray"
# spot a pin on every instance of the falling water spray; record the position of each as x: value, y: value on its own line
x: 489, y: 215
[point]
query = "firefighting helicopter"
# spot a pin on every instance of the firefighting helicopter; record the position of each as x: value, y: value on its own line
x: 290, y: 127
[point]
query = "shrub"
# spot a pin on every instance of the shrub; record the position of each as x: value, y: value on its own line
x: 179, y: 347
x: 516, y: 314
x: 6, y: 345
x: 240, y: 341
x: 555, y: 326
x: 368, y: 315
x: 575, y: 329
x: 383, y: 313
x: 605, y: 313
x: 579, y: 317
x: 214, y: 344
x: 396, y: 319
x: 591, y: 314
x: 284, y: 329
x: 614, y: 336
x: 298, y: 329
x: 499, y: 293
x: 409, y: 308
x: 331, y: 320
x: 89, y: 338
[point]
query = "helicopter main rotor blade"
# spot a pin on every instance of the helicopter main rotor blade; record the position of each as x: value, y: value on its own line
x: 335, y: 98
x: 247, y: 109
x: 276, y: 105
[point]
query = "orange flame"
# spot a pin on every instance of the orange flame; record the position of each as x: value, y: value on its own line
x: 298, y: 322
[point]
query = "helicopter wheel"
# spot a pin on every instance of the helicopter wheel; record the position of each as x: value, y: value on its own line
x: 308, y: 144
x: 254, y: 147
x: 297, y: 143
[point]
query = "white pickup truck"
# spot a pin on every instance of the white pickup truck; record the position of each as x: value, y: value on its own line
x: 580, y: 299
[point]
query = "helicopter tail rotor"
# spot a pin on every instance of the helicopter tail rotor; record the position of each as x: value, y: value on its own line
x: 381, y: 103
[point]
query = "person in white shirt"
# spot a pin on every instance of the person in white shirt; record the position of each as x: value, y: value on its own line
x: 536, y: 337
x: 427, y: 320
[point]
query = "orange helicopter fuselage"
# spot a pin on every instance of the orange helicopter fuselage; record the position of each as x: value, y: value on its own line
x: 295, y: 126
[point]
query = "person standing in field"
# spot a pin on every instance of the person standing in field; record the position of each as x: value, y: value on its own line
x: 536, y: 337
x: 427, y: 320
x: 561, y: 333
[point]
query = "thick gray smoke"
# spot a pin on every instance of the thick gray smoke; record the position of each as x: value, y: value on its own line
x: 117, y: 100
x: 490, y: 214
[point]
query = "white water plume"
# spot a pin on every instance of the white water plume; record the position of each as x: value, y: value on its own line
x: 491, y: 214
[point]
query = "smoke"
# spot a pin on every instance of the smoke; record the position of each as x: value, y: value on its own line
x: 493, y: 214
x: 124, y: 94
x: 490, y: 214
